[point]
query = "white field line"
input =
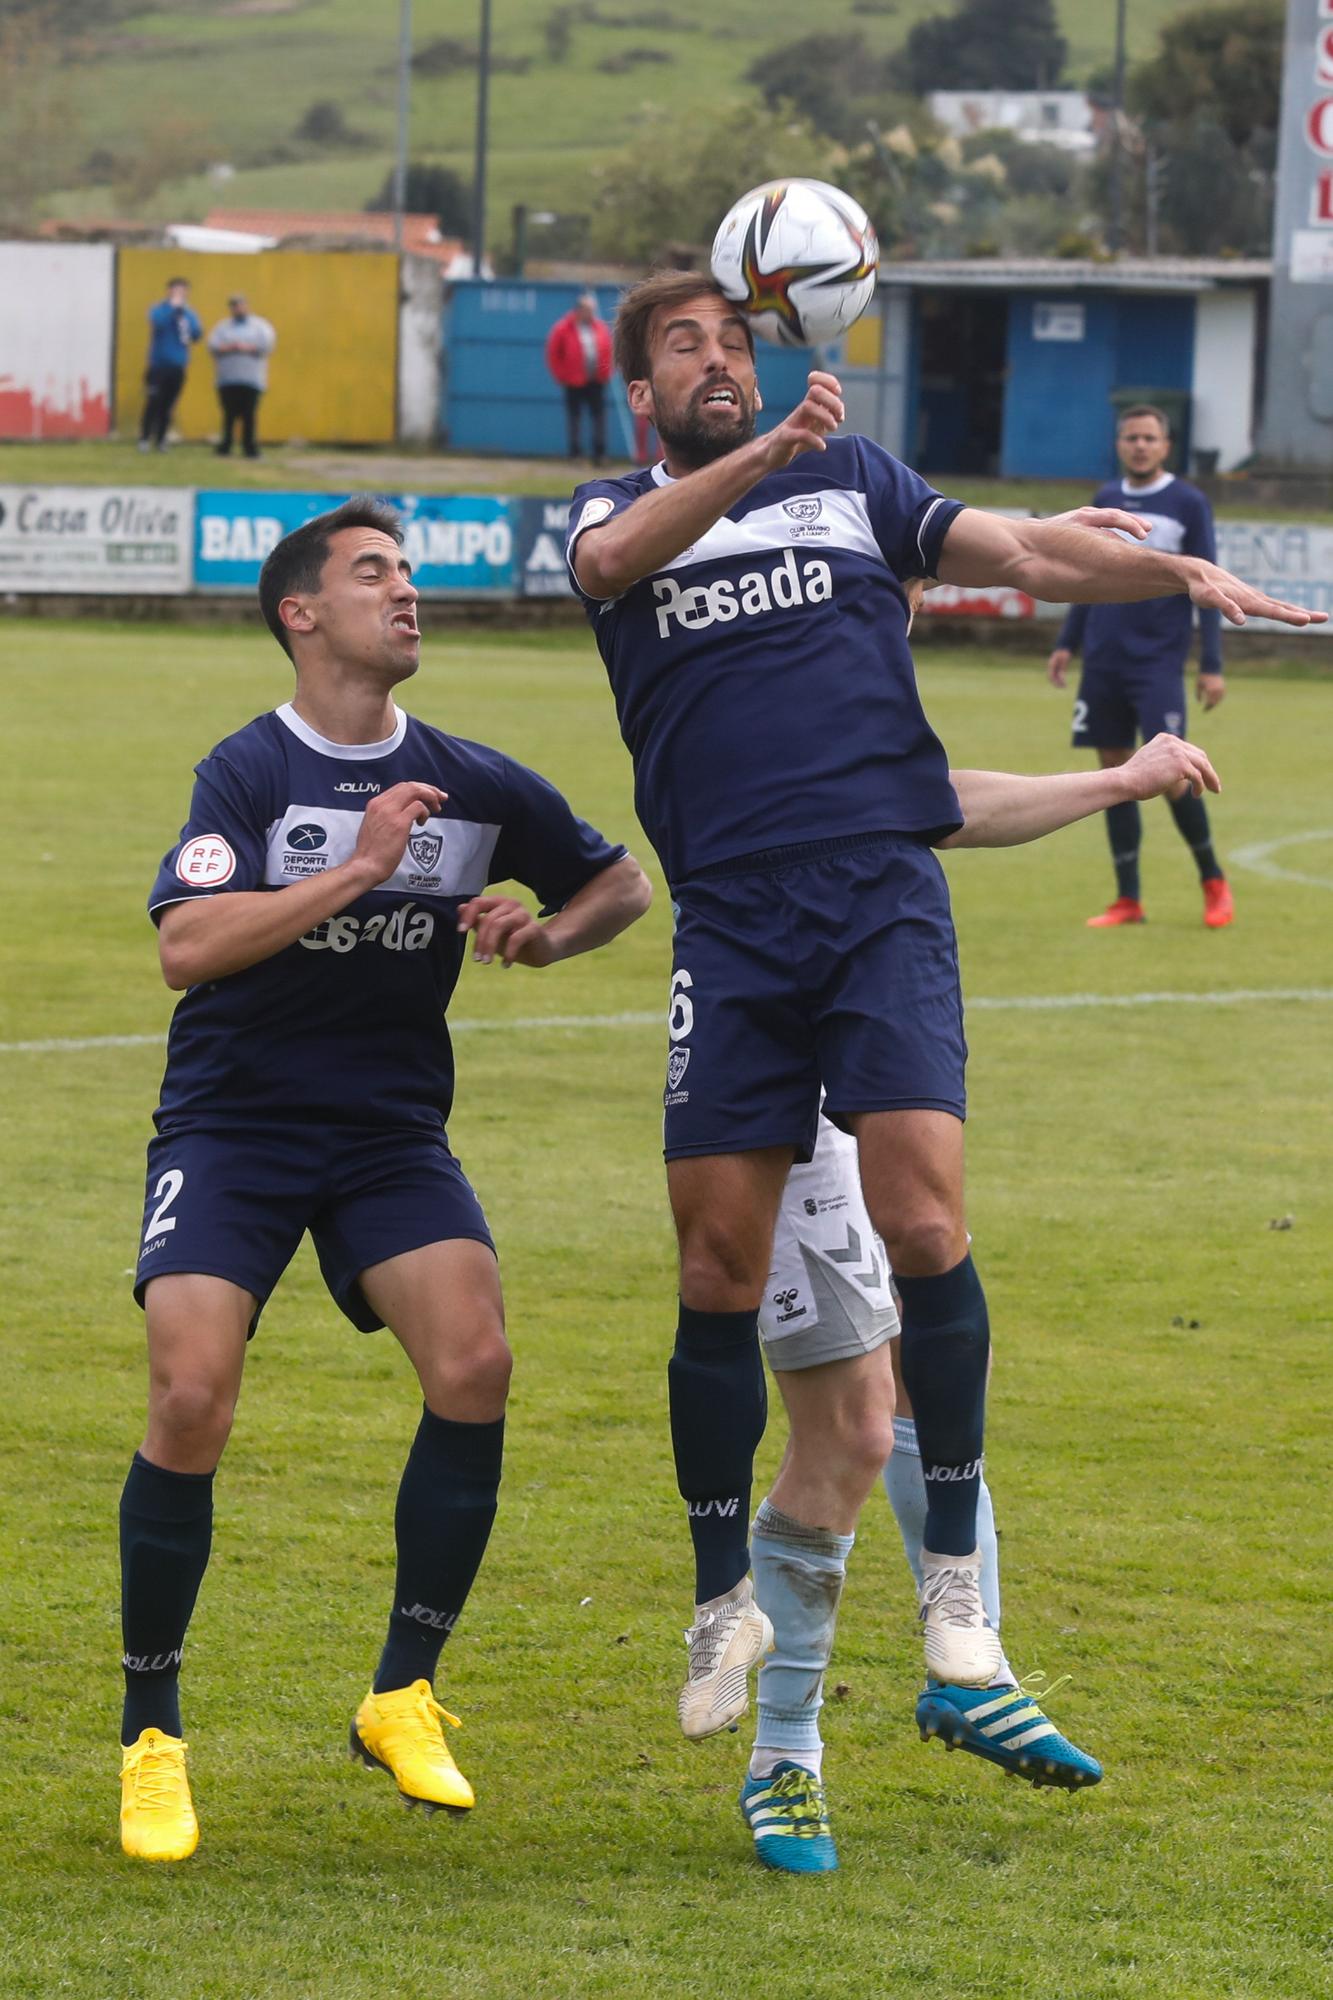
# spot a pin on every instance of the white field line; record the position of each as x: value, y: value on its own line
x: 1018, y: 1003
x: 1258, y: 858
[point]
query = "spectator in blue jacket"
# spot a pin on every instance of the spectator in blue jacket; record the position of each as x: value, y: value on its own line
x: 173, y: 329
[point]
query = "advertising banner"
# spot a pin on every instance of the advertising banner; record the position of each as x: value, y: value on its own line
x: 457, y: 544
x: 542, y: 570
x: 123, y: 540
x: 1285, y: 558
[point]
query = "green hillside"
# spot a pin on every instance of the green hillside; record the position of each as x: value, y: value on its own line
x: 128, y: 120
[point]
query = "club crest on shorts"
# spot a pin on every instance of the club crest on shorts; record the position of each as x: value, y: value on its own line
x: 425, y: 849
x: 677, y: 1064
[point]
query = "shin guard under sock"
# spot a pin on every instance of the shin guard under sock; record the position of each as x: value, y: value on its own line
x: 1191, y: 816
x: 798, y: 1578
x: 446, y: 1506
x: 166, y: 1527
x: 719, y: 1405
x: 945, y: 1352
x: 1124, y: 830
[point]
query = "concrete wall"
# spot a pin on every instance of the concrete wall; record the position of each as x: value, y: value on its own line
x: 1224, y: 351
x: 55, y: 339
x: 333, y: 376
x: 420, y: 350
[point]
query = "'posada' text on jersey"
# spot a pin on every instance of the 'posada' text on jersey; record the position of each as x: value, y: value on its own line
x: 763, y: 679
x: 347, y: 1024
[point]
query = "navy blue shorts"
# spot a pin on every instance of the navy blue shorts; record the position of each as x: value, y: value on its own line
x: 1117, y: 705
x: 235, y: 1204
x: 834, y: 964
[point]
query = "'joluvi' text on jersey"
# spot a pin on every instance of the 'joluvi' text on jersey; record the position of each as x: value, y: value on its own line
x: 347, y: 1024
x: 763, y: 679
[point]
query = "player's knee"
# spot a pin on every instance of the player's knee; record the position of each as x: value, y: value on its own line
x: 720, y: 1270
x: 930, y: 1240
x: 469, y: 1381
x: 191, y: 1415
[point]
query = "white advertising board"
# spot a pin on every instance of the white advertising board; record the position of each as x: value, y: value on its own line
x: 121, y: 540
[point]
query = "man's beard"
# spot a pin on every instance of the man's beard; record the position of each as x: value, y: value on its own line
x: 693, y: 440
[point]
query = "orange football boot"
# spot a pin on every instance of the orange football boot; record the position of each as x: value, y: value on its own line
x: 1218, y: 908
x: 1124, y: 910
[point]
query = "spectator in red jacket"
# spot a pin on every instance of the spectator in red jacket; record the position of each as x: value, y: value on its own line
x: 578, y: 354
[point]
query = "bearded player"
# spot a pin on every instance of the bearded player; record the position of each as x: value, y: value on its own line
x: 748, y: 597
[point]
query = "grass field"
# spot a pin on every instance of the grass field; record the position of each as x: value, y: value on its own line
x: 229, y: 82
x: 1159, y: 1421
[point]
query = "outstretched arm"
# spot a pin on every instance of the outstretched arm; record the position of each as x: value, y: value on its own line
x: 1001, y: 809
x: 1067, y: 563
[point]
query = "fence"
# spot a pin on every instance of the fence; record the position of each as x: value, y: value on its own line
x: 160, y: 542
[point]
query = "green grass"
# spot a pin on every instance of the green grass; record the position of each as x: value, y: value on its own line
x: 231, y: 84
x: 1161, y: 1487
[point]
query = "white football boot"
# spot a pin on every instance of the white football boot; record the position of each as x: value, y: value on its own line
x: 726, y: 1639
x: 962, y: 1646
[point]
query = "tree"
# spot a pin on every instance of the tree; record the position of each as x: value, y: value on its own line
x: 666, y: 195
x: 985, y: 45
x: 1223, y: 63
x: 430, y: 190
x: 822, y: 77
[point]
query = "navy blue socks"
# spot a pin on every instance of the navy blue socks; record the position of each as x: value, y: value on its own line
x: 944, y: 1356
x: 1191, y: 816
x: 719, y: 1406
x: 166, y: 1526
x: 1124, y: 830
x: 446, y: 1505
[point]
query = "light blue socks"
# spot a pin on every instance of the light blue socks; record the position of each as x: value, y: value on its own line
x: 798, y: 1579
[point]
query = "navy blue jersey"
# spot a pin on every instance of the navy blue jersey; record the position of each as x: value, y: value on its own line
x: 1156, y: 632
x: 763, y: 679
x: 347, y: 1024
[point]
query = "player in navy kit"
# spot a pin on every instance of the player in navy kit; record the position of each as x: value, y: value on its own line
x: 316, y: 910
x: 1134, y: 656
x: 749, y: 602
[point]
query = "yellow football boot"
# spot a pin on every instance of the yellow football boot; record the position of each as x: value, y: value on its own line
x: 157, y: 1821
x: 399, y: 1732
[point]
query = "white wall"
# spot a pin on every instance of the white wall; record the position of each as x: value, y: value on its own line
x: 1224, y: 344
x: 56, y: 315
x: 420, y: 333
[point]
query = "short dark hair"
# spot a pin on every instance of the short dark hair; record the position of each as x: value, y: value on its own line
x: 178, y: 281
x: 297, y: 562
x: 1143, y: 410
x: 635, y: 313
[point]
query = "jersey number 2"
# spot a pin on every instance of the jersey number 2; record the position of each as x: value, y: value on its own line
x: 168, y: 1187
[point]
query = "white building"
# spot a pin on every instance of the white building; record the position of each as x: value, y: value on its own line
x: 1061, y: 118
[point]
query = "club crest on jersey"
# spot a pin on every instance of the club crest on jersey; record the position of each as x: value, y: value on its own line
x: 677, y: 1064
x: 809, y: 508
x: 425, y: 849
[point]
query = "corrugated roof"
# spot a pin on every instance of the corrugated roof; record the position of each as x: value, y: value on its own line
x: 421, y: 233
x: 1190, y: 274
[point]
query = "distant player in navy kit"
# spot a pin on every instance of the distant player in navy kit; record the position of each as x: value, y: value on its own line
x: 315, y: 910
x: 1134, y: 659
x: 750, y: 605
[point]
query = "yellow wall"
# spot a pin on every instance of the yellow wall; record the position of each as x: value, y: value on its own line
x: 333, y: 373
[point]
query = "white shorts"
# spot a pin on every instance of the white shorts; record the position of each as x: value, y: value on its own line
x: 828, y: 1296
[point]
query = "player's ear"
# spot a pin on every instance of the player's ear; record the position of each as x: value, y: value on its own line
x: 296, y: 615
x: 639, y: 396
x: 758, y: 399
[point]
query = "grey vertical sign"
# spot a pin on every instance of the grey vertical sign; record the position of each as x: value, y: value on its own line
x: 1298, y: 403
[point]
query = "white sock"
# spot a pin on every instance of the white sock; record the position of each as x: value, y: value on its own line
x: 906, y: 1488
x: 763, y: 1763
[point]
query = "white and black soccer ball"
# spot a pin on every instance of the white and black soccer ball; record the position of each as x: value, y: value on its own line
x: 799, y: 257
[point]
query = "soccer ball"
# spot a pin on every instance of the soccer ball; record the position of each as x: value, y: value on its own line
x: 800, y: 258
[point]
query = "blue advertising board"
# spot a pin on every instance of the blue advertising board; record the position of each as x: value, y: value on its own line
x: 457, y: 544
x: 542, y: 569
